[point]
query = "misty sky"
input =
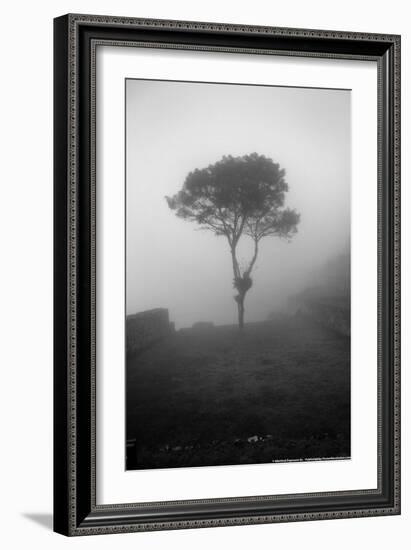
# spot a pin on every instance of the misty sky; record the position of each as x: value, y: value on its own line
x: 175, y: 127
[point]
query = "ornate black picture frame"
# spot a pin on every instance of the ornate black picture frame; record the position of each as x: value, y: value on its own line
x: 75, y: 40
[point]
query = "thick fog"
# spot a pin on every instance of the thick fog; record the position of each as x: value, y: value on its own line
x: 175, y: 127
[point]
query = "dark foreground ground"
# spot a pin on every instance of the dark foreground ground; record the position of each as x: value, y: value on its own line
x: 278, y: 390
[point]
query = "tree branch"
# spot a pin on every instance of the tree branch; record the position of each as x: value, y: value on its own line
x: 254, y: 258
x: 236, y: 268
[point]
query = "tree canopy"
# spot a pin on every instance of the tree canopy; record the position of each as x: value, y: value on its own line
x: 237, y: 195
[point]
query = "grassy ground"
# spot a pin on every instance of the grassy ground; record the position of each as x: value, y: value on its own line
x: 278, y: 390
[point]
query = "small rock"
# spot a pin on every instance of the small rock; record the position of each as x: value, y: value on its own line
x: 253, y: 439
x: 178, y: 448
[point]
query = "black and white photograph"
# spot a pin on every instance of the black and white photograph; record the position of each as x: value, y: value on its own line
x: 237, y: 274
x: 226, y: 276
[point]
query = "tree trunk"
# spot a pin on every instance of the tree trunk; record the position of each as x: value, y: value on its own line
x: 240, y: 304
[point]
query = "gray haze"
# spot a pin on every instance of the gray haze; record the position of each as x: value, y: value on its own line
x: 175, y: 127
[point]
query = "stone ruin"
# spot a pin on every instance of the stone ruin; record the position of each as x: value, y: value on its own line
x: 331, y: 311
x: 146, y: 328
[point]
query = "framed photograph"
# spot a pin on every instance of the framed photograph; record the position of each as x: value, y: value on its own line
x: 227, y: 274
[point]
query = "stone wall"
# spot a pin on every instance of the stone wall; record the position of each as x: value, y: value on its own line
x: 333, y: 312
x: 147, y: 327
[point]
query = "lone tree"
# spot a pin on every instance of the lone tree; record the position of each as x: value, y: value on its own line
x: 238, y: 196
